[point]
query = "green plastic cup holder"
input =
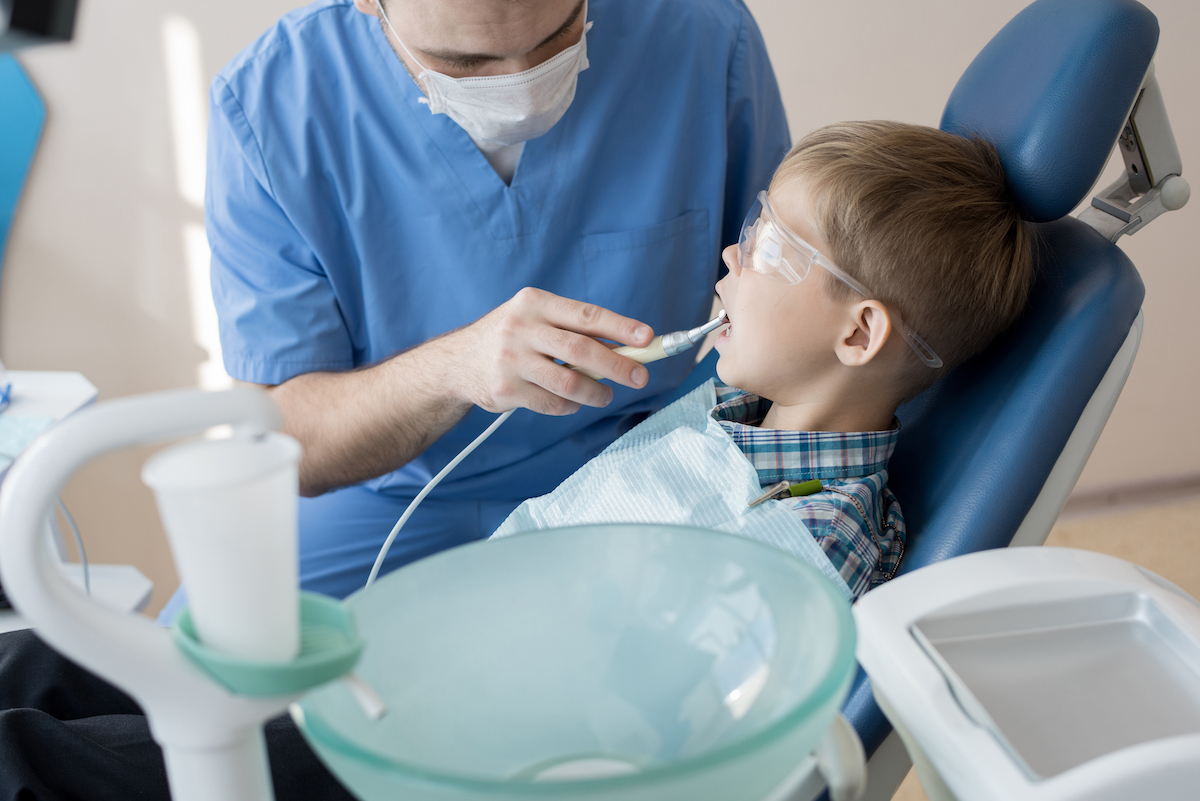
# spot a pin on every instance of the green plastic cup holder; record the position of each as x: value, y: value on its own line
x: 330, y: 646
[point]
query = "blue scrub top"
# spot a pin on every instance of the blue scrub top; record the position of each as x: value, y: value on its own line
x: 347, y: 223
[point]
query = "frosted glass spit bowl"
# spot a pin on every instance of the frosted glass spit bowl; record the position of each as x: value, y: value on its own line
x: 600, y: 662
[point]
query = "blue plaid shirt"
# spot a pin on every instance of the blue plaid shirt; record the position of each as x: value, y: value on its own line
x: 855, y: 518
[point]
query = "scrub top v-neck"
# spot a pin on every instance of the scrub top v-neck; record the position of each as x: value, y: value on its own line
x: 348, y: 223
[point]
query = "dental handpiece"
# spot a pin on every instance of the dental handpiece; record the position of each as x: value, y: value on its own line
x: 666, y: 345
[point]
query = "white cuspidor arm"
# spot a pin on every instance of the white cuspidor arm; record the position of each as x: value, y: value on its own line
x: 211, y: 738
x: 839, y: 765
x: 842, y: 761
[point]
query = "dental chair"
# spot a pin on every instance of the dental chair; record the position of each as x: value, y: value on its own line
x: 990, y: 453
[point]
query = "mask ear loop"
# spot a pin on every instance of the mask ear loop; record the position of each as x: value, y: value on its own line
x: 424, y: 69
x: 587, y: 26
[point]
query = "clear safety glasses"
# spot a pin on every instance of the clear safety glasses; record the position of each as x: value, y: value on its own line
x: 769, y: 247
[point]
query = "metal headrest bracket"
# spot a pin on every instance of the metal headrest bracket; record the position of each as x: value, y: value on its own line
x: 1152, y: 182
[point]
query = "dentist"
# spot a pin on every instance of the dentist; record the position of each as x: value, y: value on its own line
x: 417, y: 207
x: 415, y: 211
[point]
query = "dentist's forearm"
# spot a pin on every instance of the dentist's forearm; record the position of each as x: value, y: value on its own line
x: 360, y: 424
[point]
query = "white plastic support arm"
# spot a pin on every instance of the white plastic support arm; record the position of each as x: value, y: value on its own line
x: 198, y: 723
x: 842, y: 761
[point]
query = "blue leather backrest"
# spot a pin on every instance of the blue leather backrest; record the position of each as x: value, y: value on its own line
x: 21, y: 117
x: 977, y: 447
x: 1052, y: 91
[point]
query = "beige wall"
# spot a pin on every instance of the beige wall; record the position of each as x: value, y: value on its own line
x: 105, y: 249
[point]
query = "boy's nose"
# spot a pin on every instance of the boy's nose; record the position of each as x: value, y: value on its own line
x: 732, y: 259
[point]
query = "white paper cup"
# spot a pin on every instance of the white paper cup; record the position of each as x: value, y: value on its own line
x: 229, y: 509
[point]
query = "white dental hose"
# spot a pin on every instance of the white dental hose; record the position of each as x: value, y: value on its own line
x: 83, y: 562
x: 412, y: 507
x: 659, y: 348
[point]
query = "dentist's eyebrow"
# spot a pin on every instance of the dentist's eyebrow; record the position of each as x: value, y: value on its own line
x: 467, y: 60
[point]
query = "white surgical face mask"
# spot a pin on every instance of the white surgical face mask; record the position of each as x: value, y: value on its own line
x: 505, y: 109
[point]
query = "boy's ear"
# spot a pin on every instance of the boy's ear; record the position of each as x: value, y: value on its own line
x: 865, y: 333
x: 367, y: 7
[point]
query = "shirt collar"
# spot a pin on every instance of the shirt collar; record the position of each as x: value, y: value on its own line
x: 780, y: 455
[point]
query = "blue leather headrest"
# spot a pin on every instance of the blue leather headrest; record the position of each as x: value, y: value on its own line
x: 1052, y: 91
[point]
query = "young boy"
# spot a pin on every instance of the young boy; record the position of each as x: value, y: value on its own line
x: 869, y: 233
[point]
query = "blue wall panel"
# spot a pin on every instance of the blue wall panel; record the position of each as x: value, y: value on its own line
x: 22, y: 116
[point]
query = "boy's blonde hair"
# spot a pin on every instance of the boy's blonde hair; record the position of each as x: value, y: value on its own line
x: 924, y: 219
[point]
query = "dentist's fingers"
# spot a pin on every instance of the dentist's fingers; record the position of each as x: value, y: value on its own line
x: 506, y: 359
x: 572, y: 326
x: 588, y: 318
x: 592, y: 358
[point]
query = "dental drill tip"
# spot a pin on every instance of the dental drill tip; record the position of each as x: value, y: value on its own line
x: 679, y: 341
x: 713, y: 324
x: 698, y: 333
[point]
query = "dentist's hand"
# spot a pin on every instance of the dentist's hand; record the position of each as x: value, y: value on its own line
x: 506, y: 359
x: 358, y: 424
